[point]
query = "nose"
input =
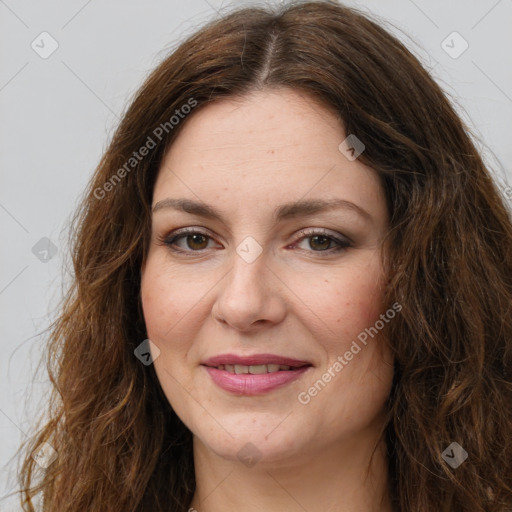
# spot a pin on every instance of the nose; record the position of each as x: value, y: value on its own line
x: 250, y: 296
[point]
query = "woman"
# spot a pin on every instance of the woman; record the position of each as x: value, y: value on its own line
x: 208, y: 357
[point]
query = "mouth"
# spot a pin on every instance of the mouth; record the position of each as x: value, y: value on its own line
x: 256, y: 369
x: 256, y: 361
x: 254, y: 375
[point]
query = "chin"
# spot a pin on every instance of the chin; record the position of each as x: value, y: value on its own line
x: 253, y: 442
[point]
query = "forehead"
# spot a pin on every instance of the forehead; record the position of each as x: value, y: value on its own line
x: 256, y: 125
x: 263, y: 148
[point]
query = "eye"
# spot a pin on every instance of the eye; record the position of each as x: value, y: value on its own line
x: 191, y: 240
x: 321, y: 240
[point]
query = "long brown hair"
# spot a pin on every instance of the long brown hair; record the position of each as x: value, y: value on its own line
x: 119, y: 444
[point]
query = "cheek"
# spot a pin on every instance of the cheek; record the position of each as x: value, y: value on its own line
x: 164, y: 304
x: 361, y: 301
x: 350, y: 303
x: 350, y: 300
x: 156, y: 304
x: 357, y: 388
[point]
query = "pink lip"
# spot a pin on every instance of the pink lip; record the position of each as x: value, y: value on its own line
x: 253, y: 360
x: 250, y: 385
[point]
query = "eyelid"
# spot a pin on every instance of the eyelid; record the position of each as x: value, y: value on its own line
x: 326, y: 232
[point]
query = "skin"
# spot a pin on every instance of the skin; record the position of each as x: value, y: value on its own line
x: 246, y: 157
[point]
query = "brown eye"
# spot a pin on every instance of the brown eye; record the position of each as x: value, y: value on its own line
x: 196, y: 241
x: 188, y: 241
x: 320, y: 242
x: 193, y: 241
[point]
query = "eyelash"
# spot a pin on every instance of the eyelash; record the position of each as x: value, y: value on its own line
x: 171, y: 239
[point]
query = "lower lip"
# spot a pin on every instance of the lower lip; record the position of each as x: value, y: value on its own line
x: 249, y: 384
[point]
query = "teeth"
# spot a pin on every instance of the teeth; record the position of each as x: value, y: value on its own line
x: 255, y: 369
x: 258, y: 368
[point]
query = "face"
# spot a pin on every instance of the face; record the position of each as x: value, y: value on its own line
x: 265, y: 285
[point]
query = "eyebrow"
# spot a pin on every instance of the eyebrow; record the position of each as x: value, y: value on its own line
x: 283, y: 212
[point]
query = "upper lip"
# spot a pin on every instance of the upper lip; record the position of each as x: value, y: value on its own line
x: 253, y: 360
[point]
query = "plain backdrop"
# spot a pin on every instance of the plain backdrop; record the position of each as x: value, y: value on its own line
x: 68, y: 70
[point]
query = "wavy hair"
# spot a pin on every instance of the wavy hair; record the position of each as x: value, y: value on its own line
x: 119, y: 443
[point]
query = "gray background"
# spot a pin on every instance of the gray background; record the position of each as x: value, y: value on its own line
x: 57, y: 114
